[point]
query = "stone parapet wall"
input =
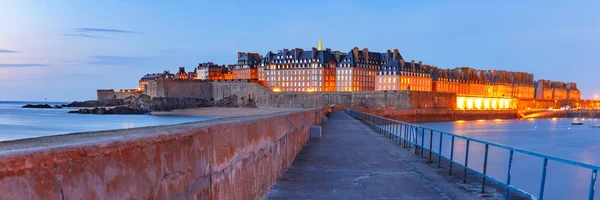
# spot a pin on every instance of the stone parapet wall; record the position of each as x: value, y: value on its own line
x: 416, y: 116
x: 234, y: 158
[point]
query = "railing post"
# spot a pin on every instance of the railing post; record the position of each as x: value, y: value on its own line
x: 391, y: 125
x: 485, y: 159
x: 451, y: 155
x: 408, y: 137
x: 422, y: 143
x: 430, y: 144
x: 415, y: 140
x: 466, y: 162
x: 593, y: 184
x: 398, y: 132
x: 510, y: 159
x: 404, y: 136
x: 543, y: 183
x: 440, y: 151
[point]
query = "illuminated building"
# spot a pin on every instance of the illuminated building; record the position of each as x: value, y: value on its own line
x: 202, y: 71
x: 484, y: 103
x: 264, y: 63
x: 572, y: 91
x: 546, y: 89
x: 301, y: 71
x: 182, y: 75
x: 395, y: 74
x: 246, y: 67
x: 215, y: 72
x: 357, y: 70
x: 143, y: 82
x: 227, y: 72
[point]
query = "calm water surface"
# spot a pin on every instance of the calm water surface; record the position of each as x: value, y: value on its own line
x: 555, y: 137
x: 19, y: 123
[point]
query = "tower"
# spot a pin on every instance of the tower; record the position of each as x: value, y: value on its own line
x: 320, y: 44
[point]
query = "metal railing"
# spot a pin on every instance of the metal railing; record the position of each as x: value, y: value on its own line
x: 407, y: 134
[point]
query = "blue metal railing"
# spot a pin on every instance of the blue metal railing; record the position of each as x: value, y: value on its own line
x: 406, y: 134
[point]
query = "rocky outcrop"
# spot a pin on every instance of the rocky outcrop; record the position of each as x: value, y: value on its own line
x: 234, y: 102
x: 37, y: 106
x: 96, y: 103
x: 143, y: 104
x: 123, y: 110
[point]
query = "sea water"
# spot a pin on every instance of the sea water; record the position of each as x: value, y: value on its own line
x: 20, y: 123
x: 554, y: 137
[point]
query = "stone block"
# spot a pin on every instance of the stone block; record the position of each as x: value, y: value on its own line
x: 316, y: 132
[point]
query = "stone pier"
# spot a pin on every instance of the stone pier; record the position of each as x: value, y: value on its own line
x: 351, y: 161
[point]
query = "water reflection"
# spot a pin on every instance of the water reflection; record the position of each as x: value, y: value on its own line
x: 556, y: 137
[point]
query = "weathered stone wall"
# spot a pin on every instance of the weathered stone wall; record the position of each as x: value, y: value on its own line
x: 180, y: 89
x: 440, y: 115
x: 103, y: 95
x: 123, y: 95
x: 235, y: 158
x: 396, y: 99
x: 523, y: 104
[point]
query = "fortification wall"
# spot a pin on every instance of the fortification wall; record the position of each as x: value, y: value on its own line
x: 180, y: 89
x: 235, y: 158
x: 103, y: 95
x: 367, y: 99
x: 123, y: 95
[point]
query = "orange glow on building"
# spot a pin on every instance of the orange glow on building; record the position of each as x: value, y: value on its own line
x: 484, y: 103
x: 297, y: 70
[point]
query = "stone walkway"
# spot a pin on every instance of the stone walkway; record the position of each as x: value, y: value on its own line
x: 351, y: 161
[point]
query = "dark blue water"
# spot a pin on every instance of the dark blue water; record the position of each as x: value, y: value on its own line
x: 555, y: 137
x: 19, y: 123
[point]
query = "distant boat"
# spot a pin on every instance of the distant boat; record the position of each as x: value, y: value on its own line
x: 596, y: 126
x: 577, y: 122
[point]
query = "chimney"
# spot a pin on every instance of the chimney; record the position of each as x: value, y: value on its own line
x: 328, y: 49
x: 365, y: 52
x: 355, y: 51
x: 240, y: 54
x: 396, y: 54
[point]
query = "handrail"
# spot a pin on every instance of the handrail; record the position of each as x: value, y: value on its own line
x: 412, y: 131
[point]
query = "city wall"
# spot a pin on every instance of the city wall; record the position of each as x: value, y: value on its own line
x: 366, y: 99
x: 179, y: 89
x: 234, y: 158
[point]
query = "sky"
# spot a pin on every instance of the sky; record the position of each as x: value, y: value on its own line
x: 66, y: 50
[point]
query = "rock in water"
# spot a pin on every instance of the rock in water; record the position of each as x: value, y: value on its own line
x: 124, y: 110
x: 37, y: 106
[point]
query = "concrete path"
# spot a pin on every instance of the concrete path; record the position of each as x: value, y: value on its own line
x: 351, y: 161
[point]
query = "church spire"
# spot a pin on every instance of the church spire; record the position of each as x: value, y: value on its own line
x: 320, y: 44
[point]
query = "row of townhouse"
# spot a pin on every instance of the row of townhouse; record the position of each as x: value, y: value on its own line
x: 318, y: 70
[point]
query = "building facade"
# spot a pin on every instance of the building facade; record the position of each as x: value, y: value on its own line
x: 301, y: 71
x: 357, y: 70
x: 246, y: 66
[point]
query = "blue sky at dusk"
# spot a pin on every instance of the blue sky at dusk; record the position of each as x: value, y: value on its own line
x: 65, y: 50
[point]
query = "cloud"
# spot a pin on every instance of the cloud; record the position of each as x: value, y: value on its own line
x: 22, y: 65
x: 101, y: 30
x: 84, y: 35
x: 7, y: 51
x: 116, y: 60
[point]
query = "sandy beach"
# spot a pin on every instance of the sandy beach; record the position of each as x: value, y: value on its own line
x: 223, y: 112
